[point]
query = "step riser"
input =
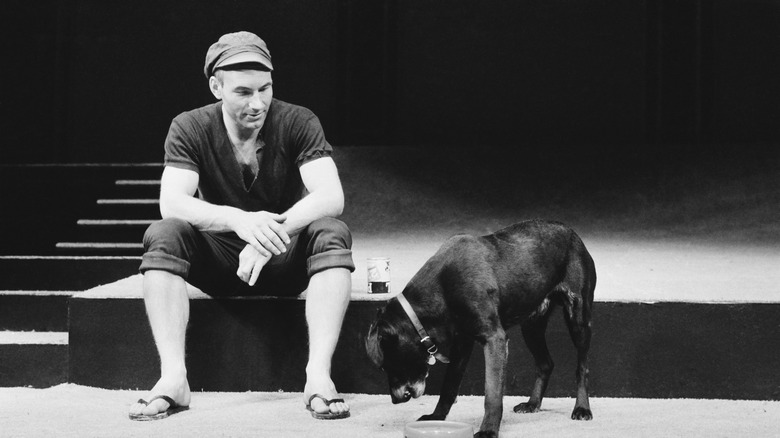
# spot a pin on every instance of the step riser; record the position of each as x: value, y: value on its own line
x: 132, y: 233
x: 100, y: 252
x: 42, y: 313
x: 134, y: 192
x: 639, y: 350
x: 122, y: 211
x: 63, y: 274
x: 38, y: 366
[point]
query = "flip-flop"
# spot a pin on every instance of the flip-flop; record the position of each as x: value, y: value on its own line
x: 329, y: 415
x: 173, y: 408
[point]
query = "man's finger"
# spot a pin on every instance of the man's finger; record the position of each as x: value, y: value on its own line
x: 279, y: 230
x: 274, y: 240
x: 255, y: 272
x: 260, y: 248
x: 241, y: 274
x: 265, y: 242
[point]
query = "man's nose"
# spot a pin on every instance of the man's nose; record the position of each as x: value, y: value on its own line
x: 256, y: 102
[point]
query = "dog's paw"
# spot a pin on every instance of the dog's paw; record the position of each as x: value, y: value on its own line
x: 432, y: 417
x: 581, y: 414
x: 486, y: 434
x: 527, y: 408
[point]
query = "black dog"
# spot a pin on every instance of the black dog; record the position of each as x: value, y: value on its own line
x: 474, y: 289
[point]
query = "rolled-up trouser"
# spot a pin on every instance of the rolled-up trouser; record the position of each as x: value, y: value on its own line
x: 209, y: 261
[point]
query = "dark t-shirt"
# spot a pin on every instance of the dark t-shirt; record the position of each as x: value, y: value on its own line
x: 291, y: 136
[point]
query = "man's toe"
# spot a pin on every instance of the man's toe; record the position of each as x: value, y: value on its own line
x: 321, y: 407
x: 155, y: 407
x: 137, y: 408
x: 338, y: 408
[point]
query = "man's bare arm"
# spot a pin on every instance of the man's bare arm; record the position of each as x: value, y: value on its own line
x: 262, y: 230
x: 325, y: 196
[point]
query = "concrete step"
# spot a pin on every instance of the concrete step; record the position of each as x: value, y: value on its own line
x: 33, y: 358
x: 112, y: 230
x: 660, y: 349
x: 117, y: 207
x: 136, y: 188
x: 63, y: 273
x: 271, y: 332
x: 100, y: 249
x: 39, y: 311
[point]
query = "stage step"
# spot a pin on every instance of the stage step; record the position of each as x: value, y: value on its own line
x: 39, y: 311
x: 648, y: 350
x: 33, y: 359
x: 111, y: 230
x: 63, y: 273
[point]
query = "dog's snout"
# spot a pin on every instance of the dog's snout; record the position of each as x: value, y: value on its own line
x: 401, y: 397
x: 404, y: 393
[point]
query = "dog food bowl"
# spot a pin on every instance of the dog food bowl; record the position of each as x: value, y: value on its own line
x: 428, y: 429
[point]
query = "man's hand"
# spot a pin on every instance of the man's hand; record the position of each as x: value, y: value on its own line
x: 250, y: 263
x: 263, y: 231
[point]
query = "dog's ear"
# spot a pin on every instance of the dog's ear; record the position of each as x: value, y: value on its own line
x: 373, y: 345
x: 381, y: 335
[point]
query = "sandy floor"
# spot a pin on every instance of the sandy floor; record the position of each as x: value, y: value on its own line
x: 77, y: 411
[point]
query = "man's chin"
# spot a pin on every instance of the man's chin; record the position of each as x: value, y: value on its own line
x: 253, y: 125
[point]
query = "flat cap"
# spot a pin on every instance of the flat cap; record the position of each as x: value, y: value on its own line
x: 237, y: 48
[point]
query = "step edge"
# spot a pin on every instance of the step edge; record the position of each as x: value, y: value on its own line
x: 10, y: 337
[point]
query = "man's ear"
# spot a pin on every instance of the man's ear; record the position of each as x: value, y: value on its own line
x: 215, y: 87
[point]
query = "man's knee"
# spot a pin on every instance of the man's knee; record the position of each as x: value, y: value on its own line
x: 330, y: 245
x: 328, y: 233
x: 167, y: 246
x: 166, y: 231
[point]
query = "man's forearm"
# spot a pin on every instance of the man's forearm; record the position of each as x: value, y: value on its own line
x: 201, y: 214
x: 316, y: 205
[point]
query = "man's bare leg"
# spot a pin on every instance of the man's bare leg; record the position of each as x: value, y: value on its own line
x: 326, y: 303
x: 168, y: 308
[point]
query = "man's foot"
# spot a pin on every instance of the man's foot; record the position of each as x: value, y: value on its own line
x: 322, y: 400
x: 177, y: 390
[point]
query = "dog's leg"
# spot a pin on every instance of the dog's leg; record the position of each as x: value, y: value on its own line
x: 459, y: 358
x: 578, y: 321
x: 496, y: 352
x: 535, y: 339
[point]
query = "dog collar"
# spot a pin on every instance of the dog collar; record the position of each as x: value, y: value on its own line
x: 425, y: 339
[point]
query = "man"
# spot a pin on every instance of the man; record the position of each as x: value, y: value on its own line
x: 263, y: 221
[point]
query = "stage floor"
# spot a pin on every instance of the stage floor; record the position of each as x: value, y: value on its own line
x: 79, y: 411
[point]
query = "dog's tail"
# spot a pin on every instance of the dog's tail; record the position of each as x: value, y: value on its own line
x: 579, y: 282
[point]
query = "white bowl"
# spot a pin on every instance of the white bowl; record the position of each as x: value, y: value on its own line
x: 428, y: 429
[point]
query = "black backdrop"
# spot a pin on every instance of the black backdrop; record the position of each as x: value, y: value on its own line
x: 99, y: 81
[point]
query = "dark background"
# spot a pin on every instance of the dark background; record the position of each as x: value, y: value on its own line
x: 640, y: 82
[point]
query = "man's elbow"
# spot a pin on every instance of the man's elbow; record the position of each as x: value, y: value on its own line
x: 167, y: 202
x: 338, y: 205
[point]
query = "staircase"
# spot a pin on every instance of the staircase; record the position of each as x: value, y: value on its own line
x: 72, y: 228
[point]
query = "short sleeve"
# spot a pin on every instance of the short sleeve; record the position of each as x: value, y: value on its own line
x: 311, y: 141
x: 180, y: 148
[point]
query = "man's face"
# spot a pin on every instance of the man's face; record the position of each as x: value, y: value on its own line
x: 246, y: 96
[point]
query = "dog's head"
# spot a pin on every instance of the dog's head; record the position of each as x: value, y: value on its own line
x: 394, y: 346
